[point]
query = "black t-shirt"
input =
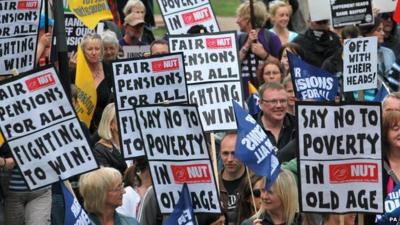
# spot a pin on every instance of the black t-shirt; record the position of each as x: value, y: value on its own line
x: 233, y: 189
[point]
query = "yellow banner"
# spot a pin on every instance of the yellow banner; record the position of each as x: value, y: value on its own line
x: 90, y: 12
x: 87, y: 96
x: 1, y: 139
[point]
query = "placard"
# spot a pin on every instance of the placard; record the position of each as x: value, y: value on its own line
x: 42, y: 130
x: 177, y: 151
x: 340, y: 171
x: 135, y: 51
x: 213, y: 76
x: 319, y: 10
x: 155, y: 80
x: 347, y: 12
x: 180, y: 16
x: 385, y: 5
x: 19, y: 26
x: 360, y: 63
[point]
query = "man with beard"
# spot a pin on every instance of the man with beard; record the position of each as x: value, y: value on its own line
x: 232, y: 179
x: 279, y: 125
x: 135, y: 31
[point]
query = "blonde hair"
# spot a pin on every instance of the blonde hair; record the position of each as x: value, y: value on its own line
x: 260, y: 12
x: 94, y: 187
x: 107, y: 117
x: 133, y: 4
x: 275, y: 5
x: 286, y: 189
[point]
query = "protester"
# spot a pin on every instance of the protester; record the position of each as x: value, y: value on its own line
x: 256, y: 44
x: 92, y: 48
x: 273, y: 118
x: 283, y: 58
x: 251, y: 200
x: 107, y: 150
x: 44, y: 41
x: 148, y: 213
x: 386, y: 57
x: 102, y: 192
x: 391, y: 150
x: 318, y: 42
x: 135, y: 7
x: 392, y: 36
x: 288, y: 85
x: 334, y: 63
x: 159, y: 47
x: 131, y: 199
x: 334, y: 219
x: 23, y: 206
x: 271, y: 71
x: 278, y: 205
x: 280, y: 13
x: 135, y: 31
x: 110, y: 45
x: 232, y: 179
x: 391, y: 103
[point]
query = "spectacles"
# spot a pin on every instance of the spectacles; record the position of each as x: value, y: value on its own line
x: 257, y: 193
x: 275, y: 101
x: 119, y: 188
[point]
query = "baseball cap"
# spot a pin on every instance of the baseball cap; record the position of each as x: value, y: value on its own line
x: 134, y: 19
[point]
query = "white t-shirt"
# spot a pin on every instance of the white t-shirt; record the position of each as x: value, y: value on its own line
x: 130, y: 202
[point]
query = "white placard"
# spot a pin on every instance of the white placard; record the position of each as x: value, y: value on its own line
x: 42, y: 130
x: 180, y: 16
x: 213, y: 76
x: 340, y: 171
x: 19, y: 25
x: 360, y: 64
x: 177, y: 151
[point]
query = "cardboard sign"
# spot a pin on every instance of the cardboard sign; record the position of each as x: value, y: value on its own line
x: 215, y: 83
x: 340, y: 171
x: 346, y: 12
x: 19, y: 25
x: 42, y: 130
x: 319, y: 10
x: 385, y: 5
x: 146, y: 81
x: 180, y: 16
x: 360, y: 63
x: 139, y: 51
x: 177, y: 151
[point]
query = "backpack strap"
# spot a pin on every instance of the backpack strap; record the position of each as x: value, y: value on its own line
x: 390, y: 172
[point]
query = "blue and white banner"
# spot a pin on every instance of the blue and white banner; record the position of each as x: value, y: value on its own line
x: 183, y: 211
x: 392, y: 208
x: 74, y: 214
x: 311, y: 82
x: 254, y: 148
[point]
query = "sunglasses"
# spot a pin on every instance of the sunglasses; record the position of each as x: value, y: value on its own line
x: 256, y: 193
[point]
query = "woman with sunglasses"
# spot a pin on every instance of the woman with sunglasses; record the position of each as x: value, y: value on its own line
x: 102, y: 192
x: 248, y: 207
x: 279, y: 205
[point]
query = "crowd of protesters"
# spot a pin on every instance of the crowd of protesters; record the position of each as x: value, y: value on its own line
x: 122, y: 192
